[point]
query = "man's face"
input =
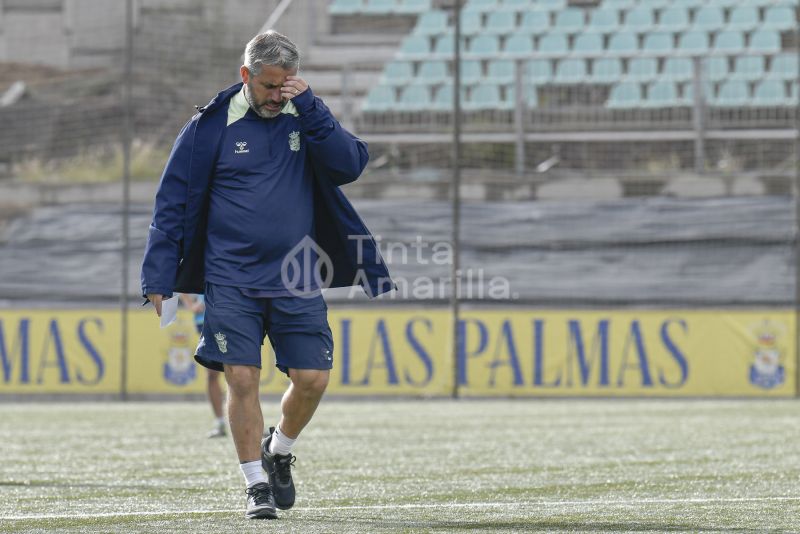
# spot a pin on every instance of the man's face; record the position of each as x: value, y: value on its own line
x: 264, y: 90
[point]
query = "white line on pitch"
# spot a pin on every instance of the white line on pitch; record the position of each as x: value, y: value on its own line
x: 632, y: 502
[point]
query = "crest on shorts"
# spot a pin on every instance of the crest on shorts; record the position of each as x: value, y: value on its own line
x: 294, y: 141
x: 222, y: 342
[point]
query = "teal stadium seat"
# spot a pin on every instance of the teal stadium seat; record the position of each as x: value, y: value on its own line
x: 716, y: 68
x: 516, y: 5
x: 539, y: 71
x: 678, y: 69
x: 794, y: 94
x: 554, y: 44
x: 484, y: 96
x: 549, y: 5
x: 640, y: 19
x: 346, y: 7
x: 413, y: 7
x: 766, y: 41
x: 625, y: 95
x: 733, y: 3
x: 770, y: 93
x: 617, y: 4
x: 623, y: 44
x: 570, y: 20
x: 484, y: 45
x: 588, y: 44
x: 784, y: 67
x: 480, y: 6
x: 445, y: 45
x: 779, y: 18
x: 397, y: 73
x: 694, y: 42
x: 518, y: 44
x: 443, y: 99
x: 432, y: 72
x: 535, y: 22
x: 688, y: 92
x: 603, y: 21
x: 709, y: 18
x: 656, y: 5
x: 416, y: 45
x: 415, y: 98
x: 471, y: 23
x: 748, y: 68
x: 642, y: 69
x: 690, y: 4
x: 501, y: 71
x: 732, y: 93
x: 501, y: 23
x: 662, y: 94
x: 607, y: 70
x: 729, y: 42
x: 673, y: 19
x: 471, y: 71
x: 659, y: 42
x: 432, y: 23
x: 380, y: 98
x: 379, y: 7
x: 743, y: 18
x: 571, y: 71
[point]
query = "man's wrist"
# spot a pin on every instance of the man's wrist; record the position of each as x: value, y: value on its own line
x: 304, y: 102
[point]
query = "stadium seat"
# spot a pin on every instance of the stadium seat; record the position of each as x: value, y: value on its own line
x: 678, y: 69
x: 346, y: 7
x: 767, y: 41
x: 484, y: 45
x: 570, y: 20
x: 500, y: 23
x: 749, y: 68
x: 380, y: 98
x: 694, y: 42
x: 484, y: 96
x: 480, y: 6
x: 779, y: 18
x: 794, y: 94
x: 432, y: 72
x: 603, y: 21
x: 640, y: 19
x: 571, y: 71
x: 516, y: 5
x: 415, y: 98
x: 519, y: 44
x: 662, y: 94
x: 732, y: 93
x: 607, y: 70
x: 413, y: 7
x: 709, y: 18
x: 379, y: 7
x: 432, y: 23
x: 623, y: 43
x: 416, y: 45
x: 471, y: 23
x: 445, y: 45
x: 471, y: 71
x: 659, y: 43
x: 743, y: 18
x: 443, y: 99
x: 625, y: 95
x: 550, y: 5
x: 587, y: 44
x: 397, y: 73
x: 501, y: 71
x: 535, y: 22
x: 618, y: 4
x: 673, y: 19
x: 642, y: 69
x: 691, y: 4
x: 553, y: 43
x: 716, y: 68
x: 771, y: 93
x: 730, y: 42
x: 733, y: 3
x: 784, y: 67
x: 688, y: 92
x: 539, y: 71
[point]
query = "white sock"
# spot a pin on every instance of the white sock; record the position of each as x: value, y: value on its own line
x: 253, y: 474
x: 221, y: 421
x: 280, y: 443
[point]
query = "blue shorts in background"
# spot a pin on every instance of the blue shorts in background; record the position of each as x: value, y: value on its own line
x: 235, y: 326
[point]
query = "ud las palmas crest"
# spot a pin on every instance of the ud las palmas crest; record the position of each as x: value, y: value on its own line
x: 766, y: 371
x: 294, y: 141
x: 180, y: 368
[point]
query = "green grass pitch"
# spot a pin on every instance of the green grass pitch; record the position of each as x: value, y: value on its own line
x: 413, y: 466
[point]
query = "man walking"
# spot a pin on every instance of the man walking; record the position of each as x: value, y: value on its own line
x: 249, y: 213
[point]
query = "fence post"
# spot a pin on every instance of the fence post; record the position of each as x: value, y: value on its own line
x: 455, y: 189
x: 698, y: 115
x: 796, y: 193
x: 520, y: 110
x: 127, y: 138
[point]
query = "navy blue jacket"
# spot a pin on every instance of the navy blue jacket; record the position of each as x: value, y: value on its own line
x: 175, y: 251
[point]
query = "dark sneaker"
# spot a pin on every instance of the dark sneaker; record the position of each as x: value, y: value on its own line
x: 260, y: 502
x: 279, y: 471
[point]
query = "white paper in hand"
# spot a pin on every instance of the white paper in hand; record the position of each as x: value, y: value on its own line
x: 169, y: 311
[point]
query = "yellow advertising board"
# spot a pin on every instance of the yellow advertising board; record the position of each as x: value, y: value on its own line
x: 392, y: 351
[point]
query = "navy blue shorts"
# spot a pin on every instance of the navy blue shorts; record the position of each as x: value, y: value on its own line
x: 235, y: 326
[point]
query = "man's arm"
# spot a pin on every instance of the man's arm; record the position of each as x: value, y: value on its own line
x: 336, y: 152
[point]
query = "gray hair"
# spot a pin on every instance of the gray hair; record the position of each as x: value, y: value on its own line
x: 273, y: 49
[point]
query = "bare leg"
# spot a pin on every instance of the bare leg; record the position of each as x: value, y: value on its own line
x: 301, y: 399
x: 214, y: 389
x: 244, y: 411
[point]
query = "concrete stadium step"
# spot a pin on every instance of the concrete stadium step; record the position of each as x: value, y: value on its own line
x: 329, y: 82
x: 362, y: 57
x: 358, y: 39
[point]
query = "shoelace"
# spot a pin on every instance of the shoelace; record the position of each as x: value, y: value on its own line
x: 283, y: 468
x: 260, y: 493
